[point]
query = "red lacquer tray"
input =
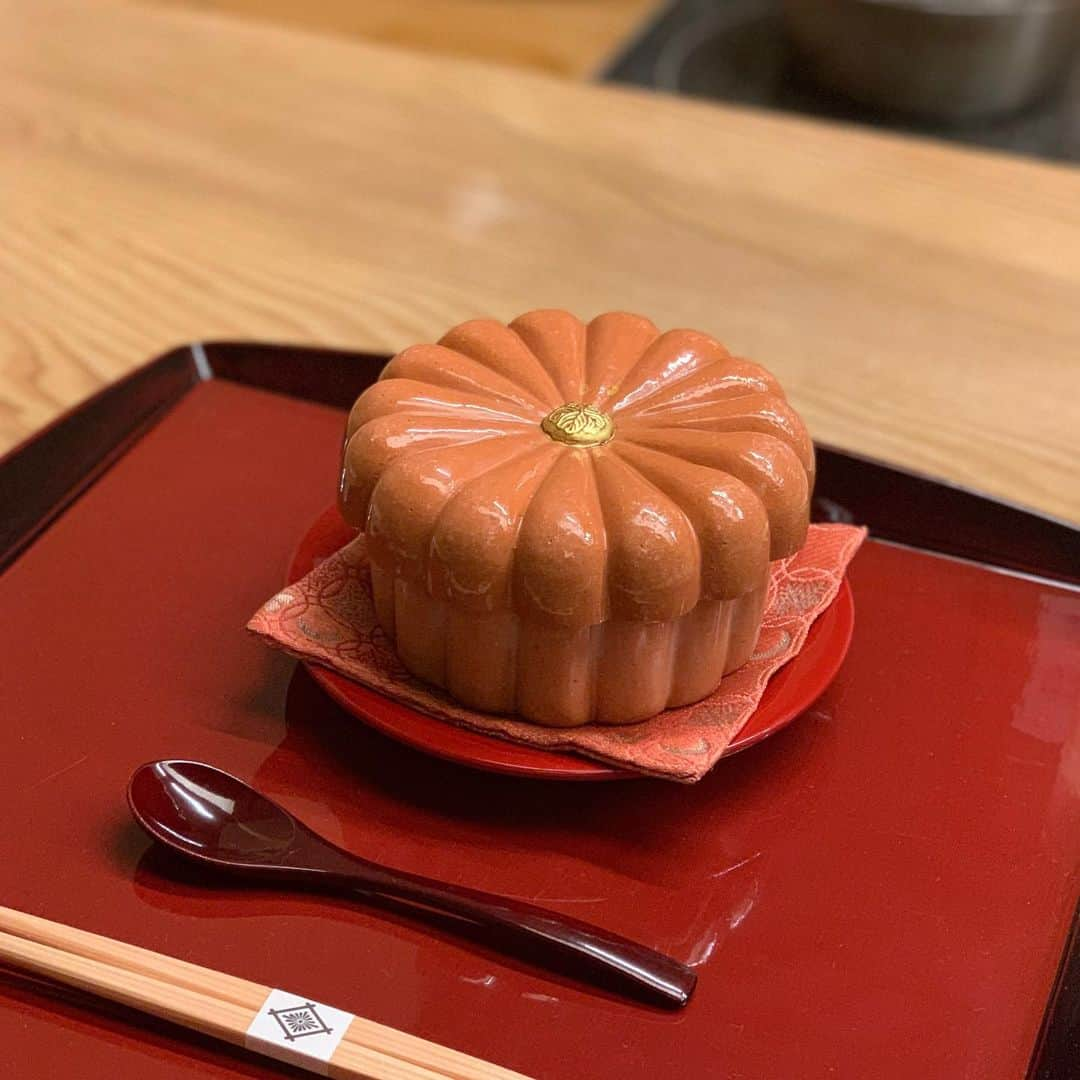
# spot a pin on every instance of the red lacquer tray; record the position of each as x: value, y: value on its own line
x: 884, y: 889
x: 789, y: 693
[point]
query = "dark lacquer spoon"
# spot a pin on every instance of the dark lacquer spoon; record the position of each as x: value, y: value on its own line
x: 217, y: 820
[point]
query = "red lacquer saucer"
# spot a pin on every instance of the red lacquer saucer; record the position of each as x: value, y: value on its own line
x: 788, y: 694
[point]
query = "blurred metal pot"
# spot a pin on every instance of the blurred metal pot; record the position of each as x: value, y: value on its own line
x: 951, y: 60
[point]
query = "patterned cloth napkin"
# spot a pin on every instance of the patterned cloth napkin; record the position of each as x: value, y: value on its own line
x: 328, y: 617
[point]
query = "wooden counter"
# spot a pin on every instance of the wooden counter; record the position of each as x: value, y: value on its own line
x: 168, y: 176
x: 564, y: 37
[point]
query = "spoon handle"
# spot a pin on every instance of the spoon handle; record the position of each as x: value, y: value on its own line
x: 598, y: 954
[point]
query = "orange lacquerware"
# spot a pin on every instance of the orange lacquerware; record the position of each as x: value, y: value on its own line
x: 574, y: 522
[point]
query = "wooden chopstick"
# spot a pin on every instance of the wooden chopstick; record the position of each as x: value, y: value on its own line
x: 215, y: 1003
x: 242, y: 992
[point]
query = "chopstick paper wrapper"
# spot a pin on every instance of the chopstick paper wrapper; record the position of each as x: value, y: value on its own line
x: 329, y: 617
x: 279, y: 1024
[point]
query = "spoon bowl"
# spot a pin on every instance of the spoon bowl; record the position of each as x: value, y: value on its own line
x: 221, y: 823
x: 213, y: 817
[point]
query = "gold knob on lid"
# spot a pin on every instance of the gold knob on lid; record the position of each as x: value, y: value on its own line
x: 576, y: 424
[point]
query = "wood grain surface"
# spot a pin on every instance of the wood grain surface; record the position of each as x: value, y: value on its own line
x: 215, y: 1003
x: 565, y: 37
x: 168, y: 176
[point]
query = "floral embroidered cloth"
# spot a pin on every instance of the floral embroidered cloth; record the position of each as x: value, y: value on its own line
x: 328, y: 617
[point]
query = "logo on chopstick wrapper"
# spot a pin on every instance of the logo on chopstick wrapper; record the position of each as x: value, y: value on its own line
x: 300, y: 1020
x: 294, y: 1029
